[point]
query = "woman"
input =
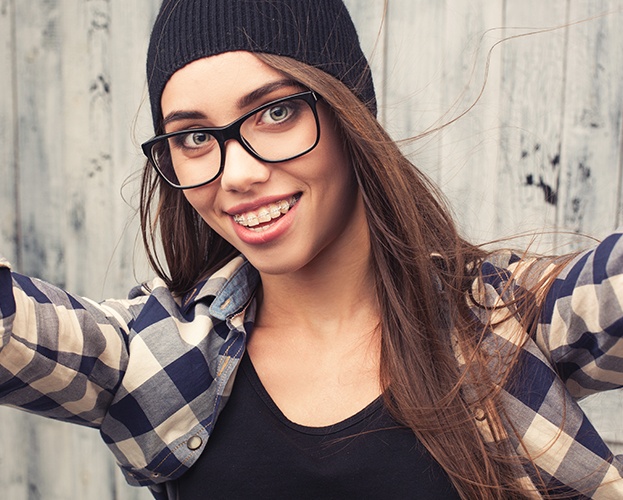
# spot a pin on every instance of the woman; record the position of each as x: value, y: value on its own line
x: 315, y: 283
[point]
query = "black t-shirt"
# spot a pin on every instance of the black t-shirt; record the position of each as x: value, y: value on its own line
x: 255, y: 452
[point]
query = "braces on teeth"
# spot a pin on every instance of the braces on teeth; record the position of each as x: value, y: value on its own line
x: 266, y: 214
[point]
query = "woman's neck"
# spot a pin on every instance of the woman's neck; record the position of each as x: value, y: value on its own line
x: 316, y: 341
x: 328, y: 297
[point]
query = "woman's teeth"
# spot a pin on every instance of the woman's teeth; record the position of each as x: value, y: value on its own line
x: 266, y: 213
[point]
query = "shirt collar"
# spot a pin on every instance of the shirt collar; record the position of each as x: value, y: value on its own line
x: 231, y: 287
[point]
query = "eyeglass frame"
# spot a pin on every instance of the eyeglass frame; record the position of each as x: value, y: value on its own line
x: 232, y: 131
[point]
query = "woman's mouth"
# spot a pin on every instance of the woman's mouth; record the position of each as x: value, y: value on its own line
x: 265, y: 215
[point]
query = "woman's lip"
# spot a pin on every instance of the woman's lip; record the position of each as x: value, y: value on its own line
x: 258, y: 203
x: 274, y: 231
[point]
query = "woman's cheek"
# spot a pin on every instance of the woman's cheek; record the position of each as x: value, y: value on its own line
x: 202, y: 200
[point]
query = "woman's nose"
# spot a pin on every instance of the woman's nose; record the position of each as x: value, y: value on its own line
x: 241, y: 170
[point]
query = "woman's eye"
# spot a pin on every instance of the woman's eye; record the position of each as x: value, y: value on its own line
x: 276, y: 114
x: 195, y: 140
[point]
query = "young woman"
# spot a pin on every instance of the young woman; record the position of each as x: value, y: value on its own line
x: 318, y: 328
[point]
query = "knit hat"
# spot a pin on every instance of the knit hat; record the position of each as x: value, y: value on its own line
x: 319, y: 33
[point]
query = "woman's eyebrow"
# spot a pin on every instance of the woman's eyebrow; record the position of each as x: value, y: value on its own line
x: 242, y: 103
x: 264, y: 90
x: 182, y: 115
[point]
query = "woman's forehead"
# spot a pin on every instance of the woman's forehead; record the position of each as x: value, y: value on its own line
x: 227, y: 82
x: 233, y: 70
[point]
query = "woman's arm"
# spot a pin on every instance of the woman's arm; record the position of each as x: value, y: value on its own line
x: 61, y: 356
x: 581, y: 325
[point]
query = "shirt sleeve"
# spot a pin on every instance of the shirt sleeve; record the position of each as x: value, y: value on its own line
x: 61, y: 356
x: 581, y: 326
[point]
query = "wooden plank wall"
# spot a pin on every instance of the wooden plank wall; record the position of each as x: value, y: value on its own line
x: 541, y: 149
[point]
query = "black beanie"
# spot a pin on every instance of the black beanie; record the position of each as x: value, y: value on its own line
x: 319, y: 33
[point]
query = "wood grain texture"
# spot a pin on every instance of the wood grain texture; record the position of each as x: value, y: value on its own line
x: 469, y: 149
x: 73, y: 126
x: 9, y: 235
x: 591, y: 139
x: 412, y: 81
x: 541, y: 149
x: 39, y: 107
x: 531, y: 112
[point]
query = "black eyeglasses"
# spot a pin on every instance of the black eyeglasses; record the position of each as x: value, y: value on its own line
x: 277, y: 131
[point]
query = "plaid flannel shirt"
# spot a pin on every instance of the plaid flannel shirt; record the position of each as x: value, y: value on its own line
x: 153, y: 372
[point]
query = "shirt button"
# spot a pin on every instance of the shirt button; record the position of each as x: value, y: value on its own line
x: 194, y: 443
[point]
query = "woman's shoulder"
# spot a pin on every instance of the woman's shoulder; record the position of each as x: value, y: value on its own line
x: 588, y: 266
x: 573, y: 305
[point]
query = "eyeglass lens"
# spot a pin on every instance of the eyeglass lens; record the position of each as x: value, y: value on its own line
x: 276, y: 133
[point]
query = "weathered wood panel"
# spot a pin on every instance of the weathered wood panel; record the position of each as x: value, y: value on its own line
x: 412, y: 78
x: 531, y: 105
x: 590, y: 184
x: 471, y: 76
x: 78, y: 68
x: 8, y: 135
x: 104, y: 95
x: 39, y: 107
x: 541, y: 149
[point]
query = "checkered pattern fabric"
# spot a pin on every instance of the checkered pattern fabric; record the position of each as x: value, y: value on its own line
x: 153, y: 372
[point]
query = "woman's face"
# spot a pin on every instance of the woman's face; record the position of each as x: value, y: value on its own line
x: 284, y: 217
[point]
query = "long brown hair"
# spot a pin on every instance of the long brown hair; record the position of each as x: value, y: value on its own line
x: 423, y: 270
